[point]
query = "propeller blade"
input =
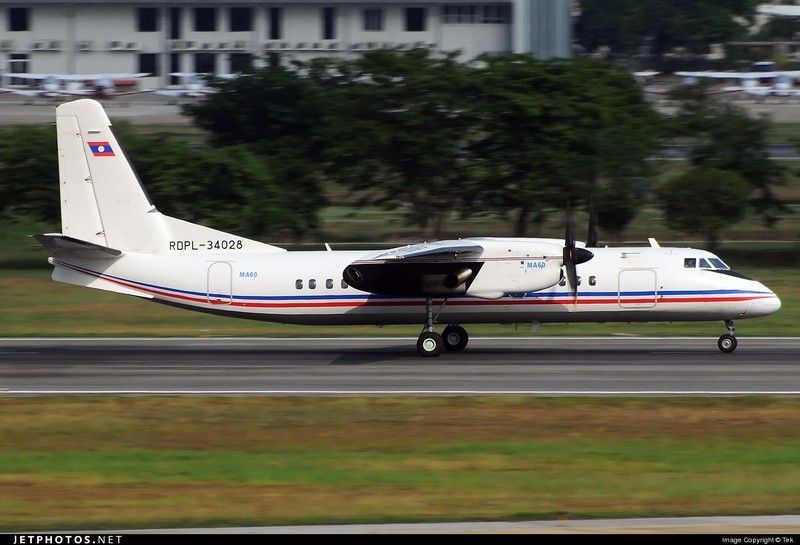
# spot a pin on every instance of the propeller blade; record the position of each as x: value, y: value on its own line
x: 569, y: 253
x: 573, y: 256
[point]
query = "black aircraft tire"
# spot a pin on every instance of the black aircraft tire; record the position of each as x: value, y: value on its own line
x: 430, y: 344
x: 727, y: 343
x: 455, y: 338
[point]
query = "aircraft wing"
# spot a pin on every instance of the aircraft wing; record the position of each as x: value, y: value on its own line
x: 440, y: 249
x: 780, y: 10
x: 740, y: 75
x: 727, y: 75
x: 126, y: 93
x: 192, y: 93
x: 24, y: 92
x: 27, y: 75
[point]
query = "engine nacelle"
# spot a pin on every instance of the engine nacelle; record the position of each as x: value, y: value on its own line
x: 519, y: 276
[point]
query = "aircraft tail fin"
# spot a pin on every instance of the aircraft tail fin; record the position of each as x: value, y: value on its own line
x: 104, y: 204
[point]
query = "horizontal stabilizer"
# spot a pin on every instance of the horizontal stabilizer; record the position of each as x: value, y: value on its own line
x: 64, y: 246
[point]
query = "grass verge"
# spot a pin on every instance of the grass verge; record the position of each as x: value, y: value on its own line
x: 104, y: 463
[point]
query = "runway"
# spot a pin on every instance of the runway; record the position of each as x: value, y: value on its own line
x: 546, y: 366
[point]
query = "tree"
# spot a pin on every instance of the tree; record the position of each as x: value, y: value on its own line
x: 397, y: 130
x: 704, y: 200
x: 229, y: 188
x: 552, y: 130
x: 29, y: 172
x: 729, y: 139
x: 629, y: 26
x: 276, y: 112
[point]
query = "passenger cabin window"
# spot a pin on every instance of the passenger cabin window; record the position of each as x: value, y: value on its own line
x: 329, y: 283
x: 344, y: 284
x: 592, y: 280
x: 298, y: 284
x: 689, y: 263
x: 312, y: 284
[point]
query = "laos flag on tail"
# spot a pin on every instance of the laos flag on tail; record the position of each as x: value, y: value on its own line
x: 101, y: 149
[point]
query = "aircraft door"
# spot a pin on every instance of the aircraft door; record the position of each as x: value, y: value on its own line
x: 637, y: 288
x: 220, y: 283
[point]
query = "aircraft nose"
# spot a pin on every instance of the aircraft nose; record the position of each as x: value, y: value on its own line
x: 767, y: 305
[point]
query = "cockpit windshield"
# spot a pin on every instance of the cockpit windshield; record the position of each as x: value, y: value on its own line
x: 713, y: 263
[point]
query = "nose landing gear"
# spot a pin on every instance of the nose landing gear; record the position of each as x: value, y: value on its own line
x: 727, y: 343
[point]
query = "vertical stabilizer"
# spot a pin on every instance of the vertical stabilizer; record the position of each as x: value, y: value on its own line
x: 102, y: 200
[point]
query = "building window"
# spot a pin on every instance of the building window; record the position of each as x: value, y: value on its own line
x: 148, y: 62
x: 275, y: 23
x: 496, y: 14
x: 476, y: 14
x: 174, y: 23
x: 18, y: 19
x: 415, y: 19
x: 373, y: 19
x: 205, y: 63
x: 328, y: 23
x: 458, y: 14
x: 18, y: 64
x: 147, y: 19
x: 205, y: 19
x: 241, y: 19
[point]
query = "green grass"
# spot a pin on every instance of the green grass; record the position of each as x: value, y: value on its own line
x: 94, y: 463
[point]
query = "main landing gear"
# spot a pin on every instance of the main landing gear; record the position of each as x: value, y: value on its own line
x: 430, y: 344
x: 727, y: 343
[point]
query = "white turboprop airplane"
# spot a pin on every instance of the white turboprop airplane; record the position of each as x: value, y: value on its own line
x: 194, y: 86
x: 779, y: 10
x: 781, y: 82
x: 115, y: 239
x: 72, y: 85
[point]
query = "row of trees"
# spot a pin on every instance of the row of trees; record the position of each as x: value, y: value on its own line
x: 655, y: 27
x: 509, y: 135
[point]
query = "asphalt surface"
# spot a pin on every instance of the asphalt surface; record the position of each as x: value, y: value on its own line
x: 632, y: 366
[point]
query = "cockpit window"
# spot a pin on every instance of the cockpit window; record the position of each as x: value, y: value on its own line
x: 713, y: 263
x: 718, y: 263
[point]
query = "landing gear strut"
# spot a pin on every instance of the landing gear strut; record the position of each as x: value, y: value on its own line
x: 727, y: 343
x: 430, y: 344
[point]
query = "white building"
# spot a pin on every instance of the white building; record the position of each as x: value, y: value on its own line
x: 104, y: 36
